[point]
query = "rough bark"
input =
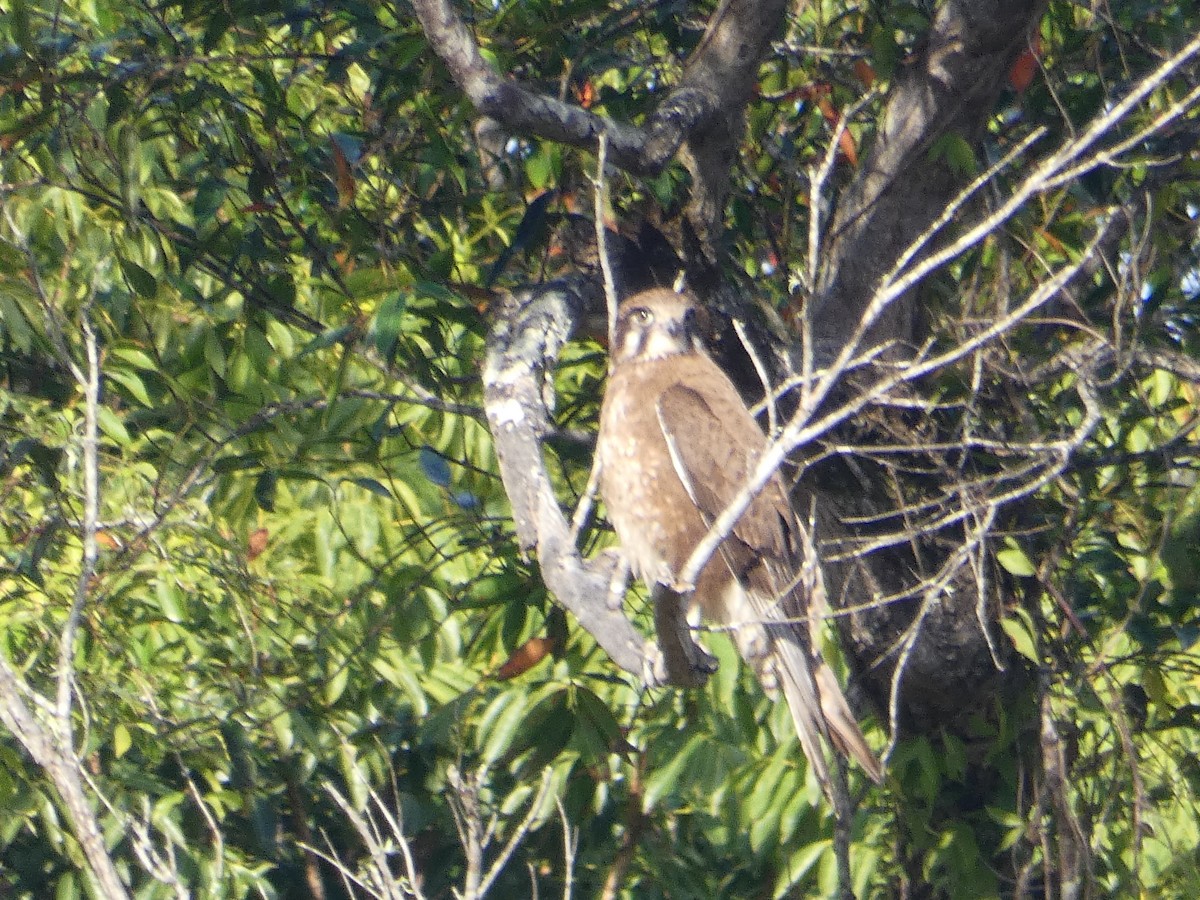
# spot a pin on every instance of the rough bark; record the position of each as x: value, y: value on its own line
x: 949, y: 88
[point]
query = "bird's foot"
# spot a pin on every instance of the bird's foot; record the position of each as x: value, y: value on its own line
x: 688, y: 668
x: 618, y: 576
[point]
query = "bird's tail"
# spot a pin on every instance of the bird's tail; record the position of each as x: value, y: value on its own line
x: 792, y: 671
x: 843, y: 727
x: 778, y: 639
x: 818, y: 706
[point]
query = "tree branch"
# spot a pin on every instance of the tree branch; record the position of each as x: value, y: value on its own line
x: 518, y: 108
x: 951, y: 87
x: 705, y: 111
x: 523, y: 347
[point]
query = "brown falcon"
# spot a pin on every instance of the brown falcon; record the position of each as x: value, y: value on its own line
x: 676, y: 445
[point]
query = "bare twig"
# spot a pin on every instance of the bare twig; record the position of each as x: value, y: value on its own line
x: 91, y: 514
x: 600, y: 195
x: 800, y: 430
x: 760, y: 369
x: 380, y: 877
x: 570, y: 846
x: 518, y: 835
x: 583, y: 510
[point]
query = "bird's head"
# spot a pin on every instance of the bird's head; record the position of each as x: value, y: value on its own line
x: 657, y: 324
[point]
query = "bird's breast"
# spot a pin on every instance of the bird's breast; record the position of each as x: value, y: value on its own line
x: 655, y: 519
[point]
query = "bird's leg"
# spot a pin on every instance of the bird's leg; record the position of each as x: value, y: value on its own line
x: 683, y: 661
x: 618, y: 578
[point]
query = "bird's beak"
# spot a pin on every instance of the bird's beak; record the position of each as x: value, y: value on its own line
x: 680, y: 330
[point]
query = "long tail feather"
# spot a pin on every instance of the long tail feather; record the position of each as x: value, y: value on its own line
x: 819, y: 708
x: 843, y: 727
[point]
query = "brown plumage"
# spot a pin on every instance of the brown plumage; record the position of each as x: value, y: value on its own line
x: 676, y: 445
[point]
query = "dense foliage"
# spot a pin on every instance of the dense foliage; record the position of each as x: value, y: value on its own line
x: 273, y: 225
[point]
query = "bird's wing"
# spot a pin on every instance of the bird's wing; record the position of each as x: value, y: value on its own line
x: 714, y: 445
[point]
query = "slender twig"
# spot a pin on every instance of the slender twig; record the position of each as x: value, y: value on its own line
x: 760, y: 369
x: 583, y: 509
x: 600, y: 195
x: 371, y: 840
x: 816, y: 193
x: 570, y: 846
x: 518, y: 835
x: 91, y: 514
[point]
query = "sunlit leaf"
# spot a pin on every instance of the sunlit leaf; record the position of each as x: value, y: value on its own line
x: 121, y: 741
x: 1015, y: 562
x: 1019, y: 628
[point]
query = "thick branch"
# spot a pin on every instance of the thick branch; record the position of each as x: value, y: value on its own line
x: 724, y: 67
x: 523, y: 348
x: 902, y: 187
x: 705, y: 110
x: 520, y: 109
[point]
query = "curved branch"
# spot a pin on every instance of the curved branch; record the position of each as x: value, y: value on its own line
x: 703, y: 114
x: 524, y: 110
x: 518, y: 390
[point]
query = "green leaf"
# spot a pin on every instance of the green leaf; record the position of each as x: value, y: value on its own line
x: 260, y: 353
x: 500, y: 723
x: 326, y: 339
x: 237, y: 463
x: 798, y: 865
x: 599, y: 716
x: 143, y: 283
x: 884, y: 50
x: 68, y: 887
x: 399, y: 671
x: 18, y: 23
x: 134, y: 385
x: 665, y: 780
x: 542, y: 165
x: 121, y: 741
x: 957, y: 153
x: 264, y: 490
x: 112, y: 427
x: 336, y: 685
x: 1020, y: 629
x: 170, y: 600
x: 375, y: 487
x: 139, y: 359
x: 14, y: 325
x: 214, y: 353
x: 209, y: 197
x: 388, y: 324
x: 1014, y: 561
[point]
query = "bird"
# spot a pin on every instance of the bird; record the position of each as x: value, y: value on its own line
x: 676, y: 444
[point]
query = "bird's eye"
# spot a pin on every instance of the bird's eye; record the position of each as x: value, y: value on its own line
x: 640, y: 314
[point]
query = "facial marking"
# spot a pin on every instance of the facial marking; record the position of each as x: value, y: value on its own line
x: 665, y: 329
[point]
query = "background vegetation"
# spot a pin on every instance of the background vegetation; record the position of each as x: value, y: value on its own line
x: 259, y: 585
